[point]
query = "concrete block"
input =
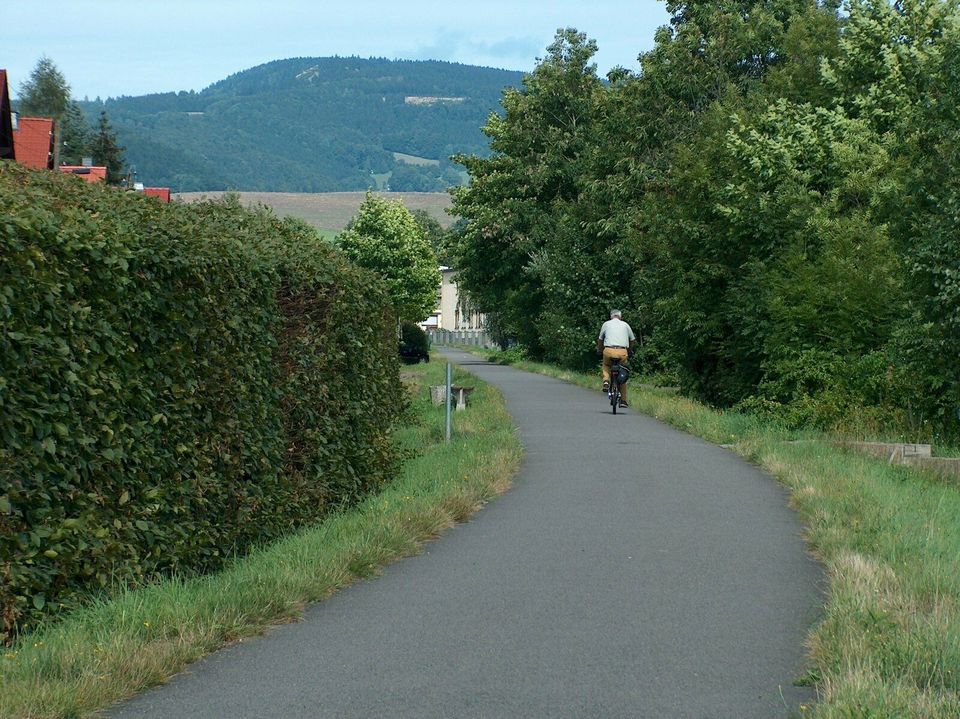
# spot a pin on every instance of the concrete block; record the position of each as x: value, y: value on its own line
x: 947, y: 467
x: 910, y: 454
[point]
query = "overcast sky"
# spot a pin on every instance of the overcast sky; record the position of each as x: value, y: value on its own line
x: 109, y: 48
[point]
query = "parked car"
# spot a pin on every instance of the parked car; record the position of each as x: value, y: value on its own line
x: 412, y: 355
x: 414, y: 344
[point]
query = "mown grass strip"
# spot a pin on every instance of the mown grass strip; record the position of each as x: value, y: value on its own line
x: 114, y: 649
x: 889, y: 536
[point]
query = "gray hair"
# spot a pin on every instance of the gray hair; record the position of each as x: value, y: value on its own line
x: 614, y: 313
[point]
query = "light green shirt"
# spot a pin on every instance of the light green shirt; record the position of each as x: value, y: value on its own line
x: 616, y: 332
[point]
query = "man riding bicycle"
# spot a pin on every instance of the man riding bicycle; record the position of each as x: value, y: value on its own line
x: 616, y: 341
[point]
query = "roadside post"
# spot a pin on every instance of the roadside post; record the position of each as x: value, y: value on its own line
x: 448, y: 393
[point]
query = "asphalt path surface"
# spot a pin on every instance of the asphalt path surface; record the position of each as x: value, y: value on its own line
x: 631, y: 571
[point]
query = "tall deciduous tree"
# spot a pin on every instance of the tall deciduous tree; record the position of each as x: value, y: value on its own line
x: 519, y: 229
x: 899, y: 73
x: 433, y: 231
x: 384, y: 237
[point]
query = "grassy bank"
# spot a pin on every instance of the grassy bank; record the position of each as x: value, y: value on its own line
x: 112, y: 650
x: 889, y: 537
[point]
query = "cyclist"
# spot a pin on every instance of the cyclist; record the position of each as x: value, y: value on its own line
x: 616, y: 341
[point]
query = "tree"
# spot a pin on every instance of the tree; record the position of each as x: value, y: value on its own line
x: 520, y: 238
x: 106, y: 152
x: 384, y: 237
x: 45, y: 93
x: 898, y: 72
x: 75, y: 136
x: 410, y: 178
x: 437, y: 236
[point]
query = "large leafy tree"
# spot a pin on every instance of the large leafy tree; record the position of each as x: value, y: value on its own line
x: 385, y: 237
x: 434, y: 233
x: 899, y: 72
x: 520, y: 239
x: 662, y: 150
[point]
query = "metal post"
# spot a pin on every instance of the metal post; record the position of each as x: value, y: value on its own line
x: 449, y: 394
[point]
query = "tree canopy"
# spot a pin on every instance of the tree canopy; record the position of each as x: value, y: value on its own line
x: 384, y: 237
x: 46, y: 92
x: 772, y: 201
x: 105, y: 150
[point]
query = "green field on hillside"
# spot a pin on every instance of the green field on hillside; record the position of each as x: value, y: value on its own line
x: 414, y: 160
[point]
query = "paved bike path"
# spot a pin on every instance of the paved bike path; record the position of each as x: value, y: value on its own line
x: 631, y: 571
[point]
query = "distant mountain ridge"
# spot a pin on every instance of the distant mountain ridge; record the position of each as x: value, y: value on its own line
x: 312, y: 125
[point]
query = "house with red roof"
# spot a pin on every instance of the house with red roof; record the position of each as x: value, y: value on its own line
x: 6, y: 120
x: 87, y: 173
x: 162, y: 193
x: 33, y: 142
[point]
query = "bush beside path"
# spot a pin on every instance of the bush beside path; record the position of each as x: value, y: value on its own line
x: 111, y: 650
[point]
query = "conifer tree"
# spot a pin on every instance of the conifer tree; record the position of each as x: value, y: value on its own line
x: 106, y: 152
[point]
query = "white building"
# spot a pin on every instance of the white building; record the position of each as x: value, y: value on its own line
x: 453, y: 312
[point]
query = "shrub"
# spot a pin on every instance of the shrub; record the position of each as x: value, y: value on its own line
x: 177, y: 383
x: 414, y: 344
x: 516, y: 353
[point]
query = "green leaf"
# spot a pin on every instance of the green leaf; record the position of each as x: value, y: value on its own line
x: 49, y: 445
x: 5, y: 506
x: 124, y: 498
x: 39, y: 601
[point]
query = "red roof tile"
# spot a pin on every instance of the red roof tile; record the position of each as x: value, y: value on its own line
x: 33, y: 142
x: 88, y: 174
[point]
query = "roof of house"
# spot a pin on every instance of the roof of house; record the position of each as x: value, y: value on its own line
x: 33, y: 142
x: 162, y: 192
x: 6, y: 124
x: 88, y: 174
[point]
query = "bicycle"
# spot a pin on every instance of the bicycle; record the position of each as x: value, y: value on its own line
x: 619, y: 374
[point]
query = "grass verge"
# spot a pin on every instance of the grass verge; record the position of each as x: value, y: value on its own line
x: 889, y: 536
x: 112, y: 650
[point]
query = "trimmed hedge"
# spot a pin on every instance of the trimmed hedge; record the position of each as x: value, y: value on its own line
x: 177, y: 383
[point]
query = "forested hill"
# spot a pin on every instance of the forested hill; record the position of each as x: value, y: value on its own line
x: 312, y: 125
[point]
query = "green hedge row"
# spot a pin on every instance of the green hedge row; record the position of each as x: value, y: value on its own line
x: 177, y: 383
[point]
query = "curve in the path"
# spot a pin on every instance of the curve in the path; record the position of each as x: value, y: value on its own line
x: 631, y: 571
